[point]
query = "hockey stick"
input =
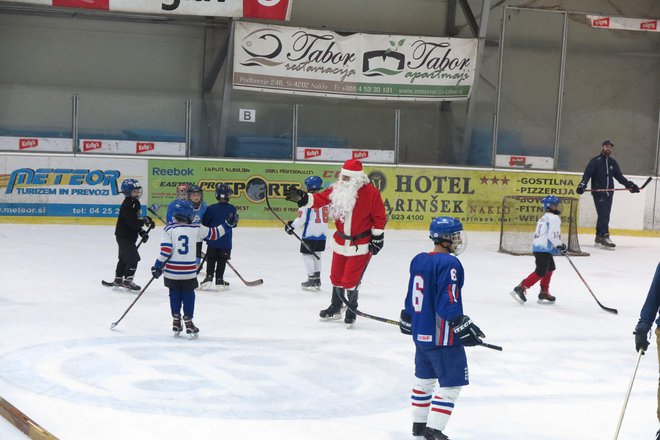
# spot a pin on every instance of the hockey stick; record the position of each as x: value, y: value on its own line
x: 607, y: 309
x: 620, y: 189
x: 153, y: 209
x: 114, y: 324
x: 247, y: 283
x: 625, y: 401
x: 292, y: 232
x: 144, y: 239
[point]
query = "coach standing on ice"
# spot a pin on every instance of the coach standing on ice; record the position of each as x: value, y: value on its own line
x: 602, y: 170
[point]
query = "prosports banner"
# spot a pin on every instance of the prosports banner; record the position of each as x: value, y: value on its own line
x: 324, y: 63
x: 266, y: 9
x: 621, y: 23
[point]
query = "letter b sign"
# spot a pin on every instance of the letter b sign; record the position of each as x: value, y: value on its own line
x: 247, y: 115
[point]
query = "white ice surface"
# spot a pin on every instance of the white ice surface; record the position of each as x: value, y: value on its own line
x: 265, y: 367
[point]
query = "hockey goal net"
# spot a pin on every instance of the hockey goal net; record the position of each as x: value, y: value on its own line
x: 518, y: 223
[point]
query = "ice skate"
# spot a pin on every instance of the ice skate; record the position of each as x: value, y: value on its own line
x: 221, y: 284
x: 176, y: 324
x: 129, y: 284
x: 349, y: 317
x: 546, y: 298
x: 313, y: 282
x: 518, y: 293
x: 207, y: 283
x: 331, y: 313
x: 418, y: 429
x: 118, y: 283
x: 434, y: 434
x: 191, y: 330
x: 605, y: 242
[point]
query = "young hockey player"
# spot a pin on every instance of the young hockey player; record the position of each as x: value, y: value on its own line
x: 433, y: 315
x: 314, y: 222
x: 359, y: 214
x: 177, y: 261
x: 546, y: 243
x: 218, y: 250
x: 181, y: 194
x: 196, y: 197
x: 128, y: 228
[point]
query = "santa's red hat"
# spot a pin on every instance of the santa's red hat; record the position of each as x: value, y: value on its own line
x: 352, y: 168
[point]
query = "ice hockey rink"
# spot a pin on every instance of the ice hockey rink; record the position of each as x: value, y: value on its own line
x: 265, y: 367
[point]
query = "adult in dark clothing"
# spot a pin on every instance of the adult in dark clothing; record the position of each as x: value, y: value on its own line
x: 647, y: 316
x: 128, y: 228
x: 602, y: 170
x: 219, y: 251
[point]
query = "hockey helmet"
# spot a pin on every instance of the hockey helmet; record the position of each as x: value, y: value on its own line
x: 223, y: 192
x: 550, y: 200
x: 129, y: 185
x: 448, y: 230
x: 195, y: 189
x: 313, y: 183
x: 182, y: 191
x: 183, y: 211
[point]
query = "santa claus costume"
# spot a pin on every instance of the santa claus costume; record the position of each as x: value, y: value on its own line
x: 359, y: 215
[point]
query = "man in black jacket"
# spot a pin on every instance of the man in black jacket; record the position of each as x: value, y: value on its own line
x: 129, y: 226
x: 602, y: 170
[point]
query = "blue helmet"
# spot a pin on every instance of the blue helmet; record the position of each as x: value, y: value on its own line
x: 223, y: 192
x: 183, y: 210
x: 129, y: 185
x: 194, y: 189
x: 550, y: 200
x: 313, y: 183
x: 449, y: 230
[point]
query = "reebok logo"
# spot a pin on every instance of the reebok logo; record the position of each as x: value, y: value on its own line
x: 24, y: 143
x: 649, y: 25
x: 92, y: 145
x: 517, y: 161
x: 601, y: 22
x: 312, y: 152
x: 143, y: 147
x: 360, y: 154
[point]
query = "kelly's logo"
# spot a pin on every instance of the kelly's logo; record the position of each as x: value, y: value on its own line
x: 360, y: 154
x: 517, y: 161
x: 24, y: 143
x: 649, y: 25
x: 92, y: 145
x: 312, y: 152
x: 143, y: 147
x: 601, y: 22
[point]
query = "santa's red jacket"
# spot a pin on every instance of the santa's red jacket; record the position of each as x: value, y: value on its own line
x: 367, y: 218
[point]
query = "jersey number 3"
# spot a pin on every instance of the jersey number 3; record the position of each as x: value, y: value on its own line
x: 184, y: 244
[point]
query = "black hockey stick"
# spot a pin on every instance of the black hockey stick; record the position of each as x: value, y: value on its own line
x: 292, y: 232
x: 247, y: 283
x: 154, y: 210
x: 114, y: 324
x: 607, y: 309
x: 620, y: 189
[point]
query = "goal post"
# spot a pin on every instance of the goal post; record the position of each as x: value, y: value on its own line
x: 518, y: 223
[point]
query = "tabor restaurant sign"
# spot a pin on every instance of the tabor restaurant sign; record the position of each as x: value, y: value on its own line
x: 267, y: 9
x: 324, y: 63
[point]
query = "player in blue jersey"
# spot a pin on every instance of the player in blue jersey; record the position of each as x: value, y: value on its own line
x: 196, y: 197
x: 647, y: 316
x: 546, y: 243
x: 181, y: 194
x: 218, y: 251
x: 177, y: 261
x: 433, y: 315
x: 314, y: 222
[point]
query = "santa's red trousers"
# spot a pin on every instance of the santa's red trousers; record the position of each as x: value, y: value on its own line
x: 346, y: 271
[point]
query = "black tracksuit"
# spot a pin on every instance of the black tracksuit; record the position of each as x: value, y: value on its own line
x: 602, y: 170
x: 127, y: 230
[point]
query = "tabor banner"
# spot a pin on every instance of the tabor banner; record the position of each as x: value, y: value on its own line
x: 319, y: 62
x: 266, y: 9
x: 343, y: 154
x: 97, y: 146
x: 38, y: 186
x: 36, y: 144
x: 621, y: 23
x: 414, y: 196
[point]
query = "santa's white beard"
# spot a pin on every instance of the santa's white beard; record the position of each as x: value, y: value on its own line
x: 344, y: 196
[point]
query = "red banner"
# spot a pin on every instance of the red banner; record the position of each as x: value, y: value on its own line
x: 85, y: 4
x: 267, y: 9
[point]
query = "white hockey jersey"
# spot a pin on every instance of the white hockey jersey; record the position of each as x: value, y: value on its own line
x: 548, y: 234
x: 178, y: 248
x: 314, y: 222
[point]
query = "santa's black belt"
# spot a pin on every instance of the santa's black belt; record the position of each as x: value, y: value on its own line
x: 353, y: 238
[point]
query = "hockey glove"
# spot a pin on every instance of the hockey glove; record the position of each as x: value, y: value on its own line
x: 232, y: 220
x: 144, y: 234
x: 376, y: 243
x: 469, y: 334
x: 288, y: 228
x: 405, y: 324
x: 641, y: 336
x: 298, y: 196
x: 632, y: 187
x: 561, y: 249
x: 156, y: 271
x: 580, y: 188
x: 148, y: 222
